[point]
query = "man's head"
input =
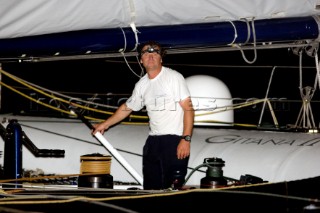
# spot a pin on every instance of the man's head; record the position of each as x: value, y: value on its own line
x: 151, y: 47
x: 150, y: 54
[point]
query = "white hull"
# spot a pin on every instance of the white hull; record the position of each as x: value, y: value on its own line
x: 272, y: 156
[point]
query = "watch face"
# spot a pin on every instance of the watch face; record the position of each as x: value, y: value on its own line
x: 187, y: 138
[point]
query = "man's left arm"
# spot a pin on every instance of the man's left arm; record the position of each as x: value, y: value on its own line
x: 183, y: 150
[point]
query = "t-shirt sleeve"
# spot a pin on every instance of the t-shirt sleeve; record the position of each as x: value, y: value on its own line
x: 181, y: 91
x: 135, y: 102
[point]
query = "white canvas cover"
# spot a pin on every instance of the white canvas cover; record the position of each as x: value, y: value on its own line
x: 20, y: 18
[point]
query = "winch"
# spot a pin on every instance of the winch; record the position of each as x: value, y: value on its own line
x: 214, y: 174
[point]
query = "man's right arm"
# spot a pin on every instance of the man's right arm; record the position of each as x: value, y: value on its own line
x: 121, y: 113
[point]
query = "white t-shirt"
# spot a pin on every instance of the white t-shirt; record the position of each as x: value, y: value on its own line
x: 161, y: 97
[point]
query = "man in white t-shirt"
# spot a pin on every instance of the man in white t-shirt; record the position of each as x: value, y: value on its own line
x: 165, y: 95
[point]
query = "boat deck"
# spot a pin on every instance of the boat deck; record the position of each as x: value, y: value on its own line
x: 294, y: 196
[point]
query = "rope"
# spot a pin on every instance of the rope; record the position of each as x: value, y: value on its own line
x: 254, y: 45
x: 305, y: 118
x: 249, y: 31
x: 54, y: 97
x: 31, y: 179
x: 25, y: 83
x: 235, y: 33
x: 124, y: 57
x: 135, y: 31
x: 95, y: 164
x: 266, y: 100
x: 124, y: 41
x: 132, y: 24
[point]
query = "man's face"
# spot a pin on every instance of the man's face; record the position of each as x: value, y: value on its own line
x: 151, y: 57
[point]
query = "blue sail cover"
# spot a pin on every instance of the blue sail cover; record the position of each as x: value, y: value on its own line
x: 171, y: 36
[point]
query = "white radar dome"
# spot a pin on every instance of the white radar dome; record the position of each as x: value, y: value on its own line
x: 211, y: 100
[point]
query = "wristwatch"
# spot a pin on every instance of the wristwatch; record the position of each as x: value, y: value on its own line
x: 186, y: 138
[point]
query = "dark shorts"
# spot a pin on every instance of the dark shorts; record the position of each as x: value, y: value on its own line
x: 160, y: 162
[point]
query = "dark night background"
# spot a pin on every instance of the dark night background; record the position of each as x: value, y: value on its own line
x: 112, y: 75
